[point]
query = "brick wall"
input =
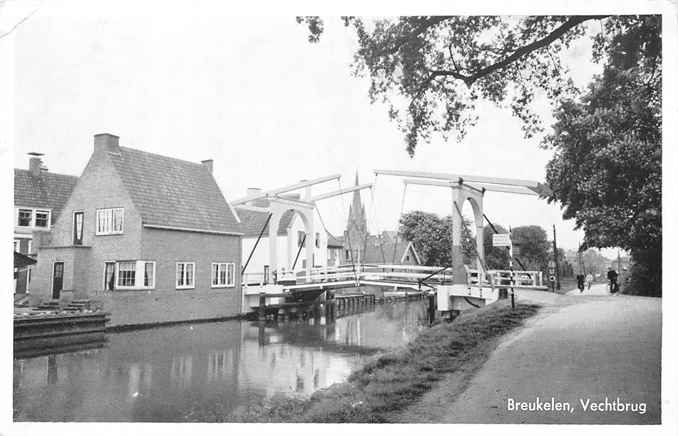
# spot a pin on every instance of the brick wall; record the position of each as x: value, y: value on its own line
x: 98, y: 187
x: 165, y: 303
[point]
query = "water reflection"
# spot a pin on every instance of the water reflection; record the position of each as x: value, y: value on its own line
x: 162, y: 374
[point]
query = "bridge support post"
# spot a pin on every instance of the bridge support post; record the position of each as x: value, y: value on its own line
x: 262, y: 307
x: 431, y: 309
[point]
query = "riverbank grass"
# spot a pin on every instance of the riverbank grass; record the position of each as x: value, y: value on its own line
x: 398, y: 379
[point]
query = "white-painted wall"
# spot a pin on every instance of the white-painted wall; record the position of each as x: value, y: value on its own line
x: 286, y: 248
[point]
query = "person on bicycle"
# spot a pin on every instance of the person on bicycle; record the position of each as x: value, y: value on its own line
x: 589, y: 280
x: 580, y: 282
x: 612, y: 277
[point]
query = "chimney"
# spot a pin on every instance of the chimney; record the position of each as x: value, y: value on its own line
x: 35, y: 163
x: 106, y: 142
x: 209, y: 163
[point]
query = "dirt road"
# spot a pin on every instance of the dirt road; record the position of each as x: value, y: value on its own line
x: 581, y: 349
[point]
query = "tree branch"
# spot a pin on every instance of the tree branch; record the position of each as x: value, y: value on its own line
x: 469, y: 79
x: 19, y: 23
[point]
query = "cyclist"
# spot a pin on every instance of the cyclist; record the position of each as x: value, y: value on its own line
x: 612, y: 277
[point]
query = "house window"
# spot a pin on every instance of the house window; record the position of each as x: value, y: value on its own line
x: 149, y: 274
x: 109, y: 276
x: 110, y: 221
x: 223, y: 275
x: 138, y: 274
x: 25, y: 217
x: 42, y: 218
x: 126, y: 274
x: 317, y: 240
x: 185, y: 275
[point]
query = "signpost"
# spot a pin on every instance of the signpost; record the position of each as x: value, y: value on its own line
x: 501, y: 240
x: 504, y: 240
x: 552, y: 277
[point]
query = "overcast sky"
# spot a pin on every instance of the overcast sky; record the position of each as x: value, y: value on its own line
x: 255, y: 96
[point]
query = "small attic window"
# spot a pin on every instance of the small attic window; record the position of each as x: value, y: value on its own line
x: 42, y: 218
x: 25, y: 218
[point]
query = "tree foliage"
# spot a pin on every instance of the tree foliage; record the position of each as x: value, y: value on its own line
x: 495, y: 257
x: 432, y: 237
x: 532, y: 247
x: 431, y: 71
x: 606, y: 168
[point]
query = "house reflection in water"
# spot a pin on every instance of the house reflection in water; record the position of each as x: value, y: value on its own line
x: 163, y: 374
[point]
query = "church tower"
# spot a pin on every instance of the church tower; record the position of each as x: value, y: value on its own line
x: 355, y: 236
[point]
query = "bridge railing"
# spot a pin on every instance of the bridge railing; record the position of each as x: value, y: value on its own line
x: 384, y: 272
x: 522, y: 278
x: 502, y: 278
x: 253, y: 279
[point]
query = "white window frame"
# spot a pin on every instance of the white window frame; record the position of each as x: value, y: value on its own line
x: 139, y: 266
x: 183, y: 278
x: 34, y: 211
x: 115, y: 271
x: 73, y: 225
x: 112, y: 210
x: 32, y: 223
x: 219, y: 265
x: 35, y: 218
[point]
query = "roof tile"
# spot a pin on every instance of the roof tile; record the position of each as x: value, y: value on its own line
x: 49, y: 190
x: 173, y: 192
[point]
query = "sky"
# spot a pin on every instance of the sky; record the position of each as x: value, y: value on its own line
x: 255, y: 96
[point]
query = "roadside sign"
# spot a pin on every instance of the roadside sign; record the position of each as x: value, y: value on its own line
x: 552, y: 278
x: 501, y: 240
x: 552, y: 270
x: 552, y: 264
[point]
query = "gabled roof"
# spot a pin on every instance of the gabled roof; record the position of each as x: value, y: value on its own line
x: 252, y: 221
x: 384, y: 250
x: 334, y: 242
x: 173, y: 193
x: 48, y: 190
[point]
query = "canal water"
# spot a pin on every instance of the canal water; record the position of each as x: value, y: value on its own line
x: 170, y: 373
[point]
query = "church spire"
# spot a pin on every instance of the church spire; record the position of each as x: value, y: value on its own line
x: 356, y: 229
x: 356, y: 204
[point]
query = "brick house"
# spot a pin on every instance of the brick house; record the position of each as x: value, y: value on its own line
x: 39, y: 197
x: 149, y: 236
x: 390, y: 248
x: 334, y: 249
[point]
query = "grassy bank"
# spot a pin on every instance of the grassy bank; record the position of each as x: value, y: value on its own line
x: 397, y: 379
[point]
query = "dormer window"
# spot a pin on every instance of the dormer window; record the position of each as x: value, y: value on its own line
x: 42, y: 218
x: 35, y: 218
x: 110, y: 221
x: 25, y: 217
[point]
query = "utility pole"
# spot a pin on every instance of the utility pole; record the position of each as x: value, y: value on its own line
x: 513, y: 295
x: 555, y: 258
